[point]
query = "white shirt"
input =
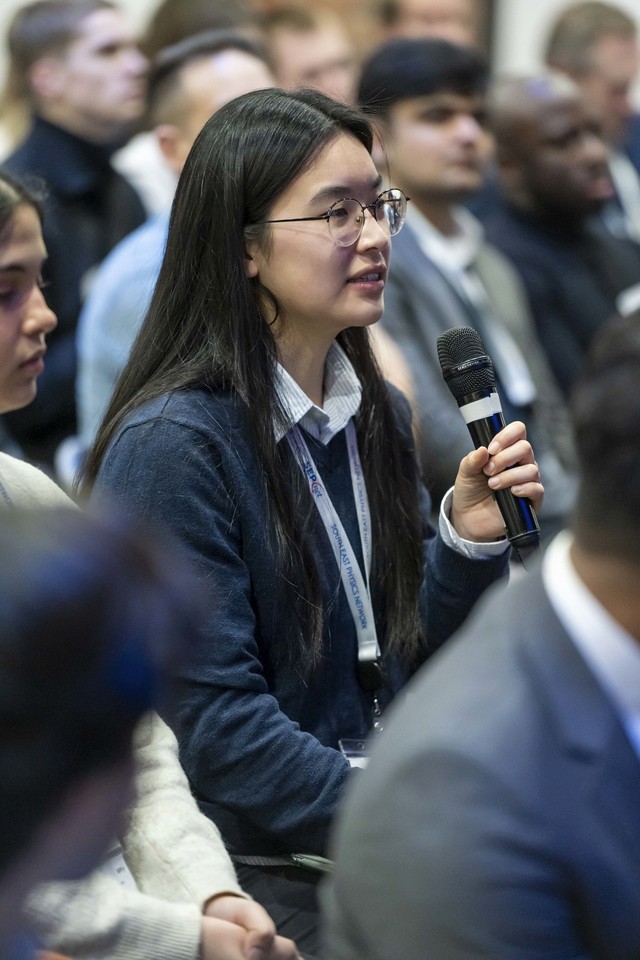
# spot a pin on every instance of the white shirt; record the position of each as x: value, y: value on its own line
x: 342, y: 395
x: 612, y: 654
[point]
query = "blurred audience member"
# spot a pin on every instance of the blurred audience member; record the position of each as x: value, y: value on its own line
x: 78, y: 669
x: 498, y: 816
x: 596, y: 44
x: 429, y: 99
x: 554, y: 175
x: 454, y: 20
x: 141, y: 160
x: 188, y: 83
x: 85, y: 82
x: 311, y: 48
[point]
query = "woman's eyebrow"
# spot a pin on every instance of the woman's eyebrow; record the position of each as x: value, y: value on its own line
x: 337, y: 192
x: 23, y: 266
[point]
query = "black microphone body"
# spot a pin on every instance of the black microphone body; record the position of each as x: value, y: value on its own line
x: 468, y: 372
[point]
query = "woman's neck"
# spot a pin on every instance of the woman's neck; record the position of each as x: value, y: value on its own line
x: 305, y: 363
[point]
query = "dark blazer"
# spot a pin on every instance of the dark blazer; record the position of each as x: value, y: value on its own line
x: 631, y: 145
x: 419, y: 306
x: 500, y: 814
x: 572, y: 278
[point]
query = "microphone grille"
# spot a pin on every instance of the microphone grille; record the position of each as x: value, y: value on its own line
x: 457, y: 347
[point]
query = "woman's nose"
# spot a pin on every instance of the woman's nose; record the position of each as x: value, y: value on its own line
x: 39, y: 318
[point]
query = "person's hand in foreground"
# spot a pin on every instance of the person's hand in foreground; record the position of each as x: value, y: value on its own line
x: 237, y: 929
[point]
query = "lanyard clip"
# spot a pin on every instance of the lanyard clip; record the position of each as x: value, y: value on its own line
x: 371, y: 675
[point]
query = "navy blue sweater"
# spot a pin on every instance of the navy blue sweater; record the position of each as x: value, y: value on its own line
x: 258, y: 738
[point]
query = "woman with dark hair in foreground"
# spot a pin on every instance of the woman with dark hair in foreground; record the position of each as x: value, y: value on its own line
x: 253, y: 421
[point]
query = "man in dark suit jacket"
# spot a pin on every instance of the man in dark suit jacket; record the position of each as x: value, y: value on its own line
x: 499, y: 816
x: 428, y: 97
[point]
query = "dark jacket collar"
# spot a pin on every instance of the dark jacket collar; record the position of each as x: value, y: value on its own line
x: 71, y: 165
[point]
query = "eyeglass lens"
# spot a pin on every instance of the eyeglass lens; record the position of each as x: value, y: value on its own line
x: 346, y: 217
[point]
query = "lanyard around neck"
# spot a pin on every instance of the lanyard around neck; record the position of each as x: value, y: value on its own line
x: 353, y: 581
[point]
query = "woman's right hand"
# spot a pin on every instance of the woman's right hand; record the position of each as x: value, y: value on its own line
x: 222, y: 940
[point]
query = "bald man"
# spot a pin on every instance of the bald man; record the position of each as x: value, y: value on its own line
x: 552, y: 164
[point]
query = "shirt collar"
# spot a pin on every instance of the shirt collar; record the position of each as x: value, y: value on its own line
x: 342, y: 393
x: 611, y: 653
x: 451, y: 253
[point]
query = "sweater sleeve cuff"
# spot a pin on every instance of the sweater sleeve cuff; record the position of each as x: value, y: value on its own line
x: 97, y: 919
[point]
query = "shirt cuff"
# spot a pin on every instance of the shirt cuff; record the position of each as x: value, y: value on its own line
x: 468, y: 548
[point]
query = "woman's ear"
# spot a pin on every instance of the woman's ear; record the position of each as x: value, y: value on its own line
x: 250, y: 267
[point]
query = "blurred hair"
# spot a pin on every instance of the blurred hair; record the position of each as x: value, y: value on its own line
x: 165, y: 101
x: 174, y: 20
x: 205, y: 327
x: 16, y: 193
x: 606, y: 416
x: 92, y: 611
x: 294, y: 17
x: 579, y: 28
x: 415, y: 67
x: 392, y: 15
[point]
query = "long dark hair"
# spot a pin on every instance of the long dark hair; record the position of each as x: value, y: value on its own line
x: 16, y: 193
x: 204, y: 326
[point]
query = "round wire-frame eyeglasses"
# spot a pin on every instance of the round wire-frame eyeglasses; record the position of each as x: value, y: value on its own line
x: 345, y: 217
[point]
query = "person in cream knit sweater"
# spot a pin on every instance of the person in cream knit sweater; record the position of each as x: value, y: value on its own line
x: 183, y: 900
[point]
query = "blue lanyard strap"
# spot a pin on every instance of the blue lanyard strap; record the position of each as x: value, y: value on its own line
x: 353, y: 581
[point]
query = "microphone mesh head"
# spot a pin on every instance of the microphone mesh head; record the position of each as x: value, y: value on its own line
x: 457, y: 347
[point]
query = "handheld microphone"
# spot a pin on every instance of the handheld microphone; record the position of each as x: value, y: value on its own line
x: 468, y: 372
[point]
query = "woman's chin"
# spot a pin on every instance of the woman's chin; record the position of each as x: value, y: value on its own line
x: 18, y: 399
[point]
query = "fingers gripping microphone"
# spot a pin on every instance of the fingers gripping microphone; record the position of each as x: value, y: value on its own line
x: 468, y: 372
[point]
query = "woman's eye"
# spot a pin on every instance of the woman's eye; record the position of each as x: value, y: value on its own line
x: 338, y: 212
